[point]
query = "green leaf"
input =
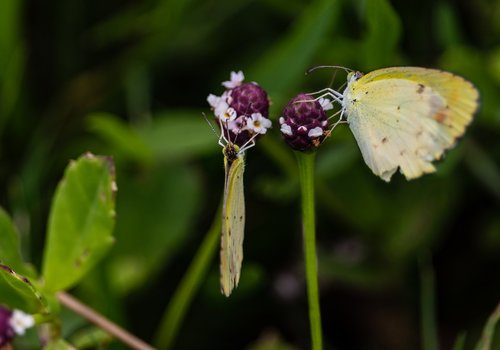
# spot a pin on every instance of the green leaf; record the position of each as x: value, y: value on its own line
x: 384, y: 29
x: 123, y: 139
x: 18, y: 292
x: 459, y: 342
x: 9, y: 246
x: 81, y: 221
x: 12, y: 59
x: 178, y: 135
x: 489, y: 331
x: 280, y: 68
x: 59, y: 344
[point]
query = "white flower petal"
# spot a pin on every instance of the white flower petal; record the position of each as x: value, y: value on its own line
x: 315, y: 132
x: 213, y: 100
x: 258, y: 124
x: 236, y: 80
x: 286, y: 129
x: 325, y: 103
x: 20, y: 321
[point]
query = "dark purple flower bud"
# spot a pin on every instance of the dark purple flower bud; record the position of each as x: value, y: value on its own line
x: 250, y: 98
x: 242, y: 110
x: 304, y: 123
x: 6, y: 330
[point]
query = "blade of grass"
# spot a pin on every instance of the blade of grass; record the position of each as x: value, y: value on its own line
x: 489, y: 331
x: 176, y: 310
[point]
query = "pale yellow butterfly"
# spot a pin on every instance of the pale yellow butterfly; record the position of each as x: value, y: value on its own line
x: 233, y: 218
x: 406, y: 117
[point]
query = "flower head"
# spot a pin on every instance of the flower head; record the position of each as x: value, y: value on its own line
x: 304, y: 122
x: 241, y: 111
x: 6, y: 331
x: 12, y: 323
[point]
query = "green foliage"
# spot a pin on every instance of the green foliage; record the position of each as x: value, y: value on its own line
x: 80, y: 223
x: 18, y: 292
x: 486, y: 340
x: 10, y: 253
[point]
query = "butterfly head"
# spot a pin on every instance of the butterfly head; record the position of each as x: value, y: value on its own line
x: 353, y: 76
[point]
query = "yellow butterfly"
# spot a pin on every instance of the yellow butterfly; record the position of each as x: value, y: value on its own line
x: 233, y: 218
x: 406, y: 117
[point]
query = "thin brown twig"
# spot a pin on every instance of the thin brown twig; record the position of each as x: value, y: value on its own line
x: 99, y: 320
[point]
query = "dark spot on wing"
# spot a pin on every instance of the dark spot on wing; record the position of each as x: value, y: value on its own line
x: 366, y: 92
x: 420, y: 88
x: 440, y: 117
x: 241, y: 217
x: 402, y: 153
x: 384, y: 140
x: 399, y: 107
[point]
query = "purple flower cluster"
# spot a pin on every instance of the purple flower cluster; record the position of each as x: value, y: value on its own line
x: 242, y: 111
x: 304, y: 123
x: 12, y: 323
x: 6, y: 330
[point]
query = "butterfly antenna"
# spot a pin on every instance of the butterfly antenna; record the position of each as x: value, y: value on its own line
x: 210, y: 125
x: 312, y: 69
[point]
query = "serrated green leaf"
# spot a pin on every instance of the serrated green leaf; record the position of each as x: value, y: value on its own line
x: 81, y: 221
x: 17, y: 292
x: 9, y: 246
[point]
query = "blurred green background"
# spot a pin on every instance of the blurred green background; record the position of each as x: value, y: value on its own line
x: 129, y: 78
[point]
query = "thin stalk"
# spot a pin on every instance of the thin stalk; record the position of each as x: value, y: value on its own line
x: 428, y: 305
x: 176, y: 310
x: 102, y: 322
x: 306, y: 175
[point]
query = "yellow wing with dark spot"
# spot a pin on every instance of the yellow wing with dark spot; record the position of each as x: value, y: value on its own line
x: 406, y: 117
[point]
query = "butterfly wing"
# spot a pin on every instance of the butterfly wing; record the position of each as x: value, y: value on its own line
x: 233, y: 224
x: 406, y: 117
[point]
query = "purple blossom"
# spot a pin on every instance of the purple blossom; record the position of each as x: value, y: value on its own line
x: 304, y: 123
x: 242, y: 111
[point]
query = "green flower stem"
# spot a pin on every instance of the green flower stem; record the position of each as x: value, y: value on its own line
x: 428, y: 304
x: 179, y: 304
x: 306, y: 175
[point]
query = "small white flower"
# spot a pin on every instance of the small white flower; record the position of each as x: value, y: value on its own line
x: 286, y: 129
x: 213, y: 100
x: 236, y: 80
x: 20, y: 321
x: 315, y: 132
x: 258, y: 124
x: 302, y: 128
x: 237, y: 125
x: 282, y: 120
x: 228, y: 115
x: 325, y: 103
